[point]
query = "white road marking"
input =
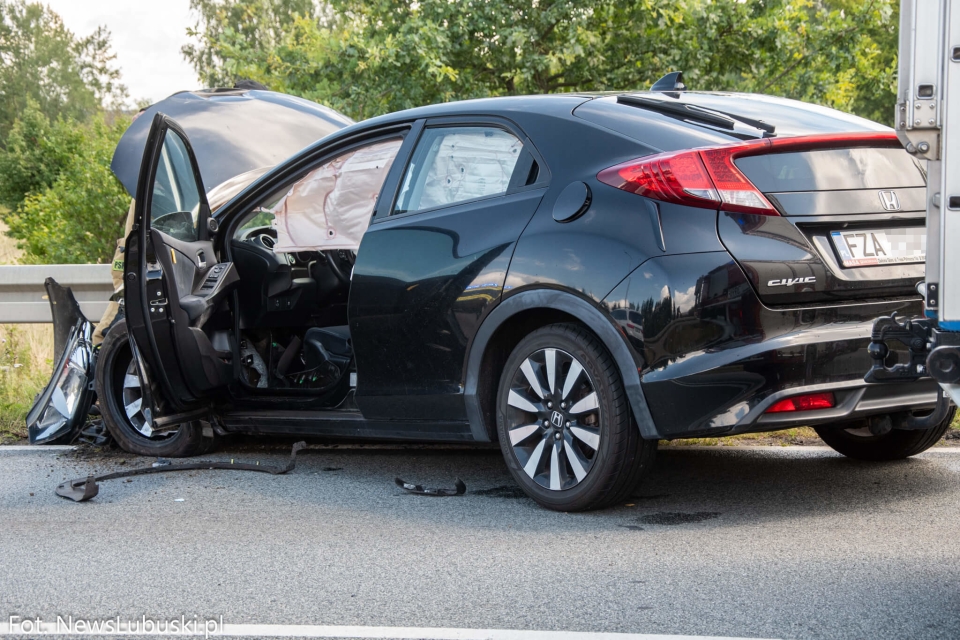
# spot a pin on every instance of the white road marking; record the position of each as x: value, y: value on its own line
x: 431, y: 633
x: 392, y: 633
x: 813, y: 448
x: 36, y: 448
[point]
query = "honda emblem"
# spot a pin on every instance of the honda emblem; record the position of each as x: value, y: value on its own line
x: 889, y: 200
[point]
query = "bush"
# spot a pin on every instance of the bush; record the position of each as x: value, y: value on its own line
x: 72, y: 207
x: 37, y: 151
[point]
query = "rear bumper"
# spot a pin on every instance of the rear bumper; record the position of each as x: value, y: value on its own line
x: 854, y: 400
x: 727, y: 391
x: 715, y: 358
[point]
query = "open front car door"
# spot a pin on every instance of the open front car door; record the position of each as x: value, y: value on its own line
x: 175, y: 287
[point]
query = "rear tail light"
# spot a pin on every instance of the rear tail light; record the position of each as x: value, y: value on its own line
x: 706, y: 178
x: 806, y: 402
x: 669, y: 177
x: 709, y: 178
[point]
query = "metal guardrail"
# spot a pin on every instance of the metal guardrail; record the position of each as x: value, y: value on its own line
x: 23, y: 298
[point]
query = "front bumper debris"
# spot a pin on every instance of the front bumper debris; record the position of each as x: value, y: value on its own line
x: 61, y: 408
x: 82, y: 489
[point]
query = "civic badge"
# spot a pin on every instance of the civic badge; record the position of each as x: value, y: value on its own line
x: 889, y: 200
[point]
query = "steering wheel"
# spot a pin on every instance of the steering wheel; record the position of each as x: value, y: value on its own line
x: 333, y: 260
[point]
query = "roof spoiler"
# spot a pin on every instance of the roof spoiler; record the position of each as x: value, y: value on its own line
x: 673, y: 81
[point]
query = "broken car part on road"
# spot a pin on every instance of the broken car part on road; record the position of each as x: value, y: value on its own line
x: 421, y: 490
x: 82, y: 489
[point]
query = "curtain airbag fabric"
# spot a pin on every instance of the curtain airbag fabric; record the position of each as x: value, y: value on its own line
x: 468, y: 165
x: 330, y: 208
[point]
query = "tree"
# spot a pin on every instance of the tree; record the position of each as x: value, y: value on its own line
x: 36, y: 153
x: 41, y: 60
x: 367, y: 57
x: 260, y: 24
x: 72, y: 207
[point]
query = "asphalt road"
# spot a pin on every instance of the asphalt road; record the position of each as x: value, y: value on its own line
x: 766, y: 543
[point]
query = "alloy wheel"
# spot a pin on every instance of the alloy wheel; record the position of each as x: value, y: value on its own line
x: 131, y: 399
x: 553, y: 419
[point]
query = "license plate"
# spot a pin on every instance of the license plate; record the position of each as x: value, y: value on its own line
x: 888, y: 246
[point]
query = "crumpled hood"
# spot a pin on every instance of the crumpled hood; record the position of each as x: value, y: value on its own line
x: 232, y: 131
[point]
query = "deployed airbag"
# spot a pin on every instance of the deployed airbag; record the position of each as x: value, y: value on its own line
x: 330, y: 207
x: 469, y: 164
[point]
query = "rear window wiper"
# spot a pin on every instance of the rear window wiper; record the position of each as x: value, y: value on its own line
x: 712, y: 117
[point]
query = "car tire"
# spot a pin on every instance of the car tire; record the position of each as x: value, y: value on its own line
x: 114, y: 365
x: 589, y: 454
x: 856, y: 441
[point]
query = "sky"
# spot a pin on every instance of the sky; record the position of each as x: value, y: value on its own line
x: 146, y: 36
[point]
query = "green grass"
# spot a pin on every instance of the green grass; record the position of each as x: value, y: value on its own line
x: 26, y: 362
x: 798, y: 435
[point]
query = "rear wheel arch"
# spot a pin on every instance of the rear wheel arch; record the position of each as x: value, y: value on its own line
x: 515, y: 318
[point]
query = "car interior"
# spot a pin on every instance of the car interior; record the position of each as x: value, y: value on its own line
x: 294, y: 253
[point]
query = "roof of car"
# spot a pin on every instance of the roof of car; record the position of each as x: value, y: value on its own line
x: 655, y: 130
x: 790, y: 117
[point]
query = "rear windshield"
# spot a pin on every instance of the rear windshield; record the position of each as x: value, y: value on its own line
x: 833, y: 169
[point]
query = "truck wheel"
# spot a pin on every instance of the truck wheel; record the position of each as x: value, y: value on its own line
x: 118, y: 389
x: 564, y: 424
x: 855, y: 441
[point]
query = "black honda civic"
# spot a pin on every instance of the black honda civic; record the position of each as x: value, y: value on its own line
x: 573, y: 276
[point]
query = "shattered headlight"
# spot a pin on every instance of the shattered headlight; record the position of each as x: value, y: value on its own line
x: 63, y: 404
x: 68, y: 390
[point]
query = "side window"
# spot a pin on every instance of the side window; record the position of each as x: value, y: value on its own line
x: 456, y: 164
x: 331, y: 206
x: 175, y: 203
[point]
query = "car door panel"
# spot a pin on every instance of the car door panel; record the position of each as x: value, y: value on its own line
x: 422, y: 283
x: 174, y: 284
x: 421, y: 286
x: 187, y: 305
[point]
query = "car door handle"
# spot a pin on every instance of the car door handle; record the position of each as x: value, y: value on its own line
x: 201, y: 260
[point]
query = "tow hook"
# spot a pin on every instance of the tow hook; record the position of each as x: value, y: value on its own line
x: 914, y: 334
